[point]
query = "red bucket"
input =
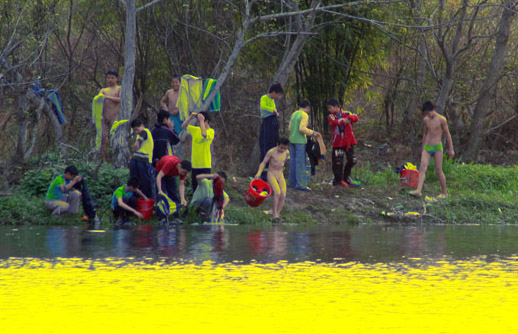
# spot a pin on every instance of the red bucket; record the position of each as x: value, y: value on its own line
x: 145, y: 207
x: 409, y: 178
x: 257, y: 192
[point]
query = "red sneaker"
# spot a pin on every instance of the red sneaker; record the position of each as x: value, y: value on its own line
x: 345, y: 184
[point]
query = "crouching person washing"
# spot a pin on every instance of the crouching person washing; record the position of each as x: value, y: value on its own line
x: 61, y: 198
x: 124, y: 202
x: 210, y: 198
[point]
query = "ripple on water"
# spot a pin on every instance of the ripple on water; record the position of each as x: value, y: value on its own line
x: 129, y: 295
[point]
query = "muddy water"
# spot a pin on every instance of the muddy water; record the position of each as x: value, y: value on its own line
x: 281, y: 279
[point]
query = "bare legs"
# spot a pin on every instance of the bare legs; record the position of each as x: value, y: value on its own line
x: 278, y: 184
x: 425, y: 161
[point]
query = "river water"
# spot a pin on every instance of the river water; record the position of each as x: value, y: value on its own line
x: 260, y: 279
x: 264, y: 244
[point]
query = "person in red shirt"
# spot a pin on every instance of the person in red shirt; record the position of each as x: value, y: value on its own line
x: 341, y: 123
x: 167, y: 169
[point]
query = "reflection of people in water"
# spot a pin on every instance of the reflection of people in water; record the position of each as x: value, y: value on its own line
x: 342, y: 245
x: 420, y: 241
x: 143, y: 236
x: 166, y: 241
x: 278, y: 241
x: 413, y: 245
x: 256, y: 242
x: 121, y: 242
x: 273, y: 242
x: 218, y: 238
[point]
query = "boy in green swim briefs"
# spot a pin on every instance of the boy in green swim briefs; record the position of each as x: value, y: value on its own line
x: 434, y: 125
x: 276, y: 157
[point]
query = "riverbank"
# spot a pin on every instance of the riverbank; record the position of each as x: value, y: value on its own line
x: 478, y: 194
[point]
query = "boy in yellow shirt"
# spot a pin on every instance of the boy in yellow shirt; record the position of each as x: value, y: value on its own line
x: 202, y: 137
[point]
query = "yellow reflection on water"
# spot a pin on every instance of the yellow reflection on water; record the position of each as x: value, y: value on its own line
x: 121, y: 295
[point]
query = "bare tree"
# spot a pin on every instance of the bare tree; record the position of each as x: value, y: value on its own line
x: 291, y: 54
x: 487, y: 89
x: 452, y: 49
x: 18, y: 79
x: 119, y: 140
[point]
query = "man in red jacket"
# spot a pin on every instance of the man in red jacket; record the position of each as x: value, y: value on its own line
x: 341, y: 123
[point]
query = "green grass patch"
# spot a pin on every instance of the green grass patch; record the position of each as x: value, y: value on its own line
x: 481, y: 194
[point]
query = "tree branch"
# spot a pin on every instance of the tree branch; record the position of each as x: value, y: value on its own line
x: 123, y: 2
x: 148, y: 5
x: 321, y: 9
x: 277, y: 33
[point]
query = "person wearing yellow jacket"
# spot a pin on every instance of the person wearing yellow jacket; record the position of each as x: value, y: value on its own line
x: 140, y: 163
x: 269, y: 132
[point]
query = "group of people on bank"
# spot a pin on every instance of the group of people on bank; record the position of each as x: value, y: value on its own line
x: 154, y: 167
x: 275, y: 150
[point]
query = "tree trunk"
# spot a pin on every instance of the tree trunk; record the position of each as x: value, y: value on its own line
x: 119, y: 141
x: 413, y: 105
x: 477, y: 131
x: 446, y: 84
x: 292, y: 54
x: 284, y: 71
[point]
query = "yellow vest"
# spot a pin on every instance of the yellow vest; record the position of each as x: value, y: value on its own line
x: 146, y: 148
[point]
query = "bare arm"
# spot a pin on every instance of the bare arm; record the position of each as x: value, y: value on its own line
x: 116, y: 98
x: 186, y: 122
x: 263, y: 164
x: 125, y: 206
x: 69, y: 186
x: 141, y: 194
x: 113, y: 98
x: 451, y: 152
x: 163, y: 101
x: 204, y: 176
x: 182, y: 193
x: 159, y: 181
x: 201, y: 120
x: 425, y: 130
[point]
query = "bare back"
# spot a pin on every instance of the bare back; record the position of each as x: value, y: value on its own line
x: 434, y: 128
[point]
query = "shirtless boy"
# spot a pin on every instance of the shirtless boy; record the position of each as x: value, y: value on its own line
x: 276, y: 157
x: 112, y: 99
x: 434, y: 126
x: 168, y: 102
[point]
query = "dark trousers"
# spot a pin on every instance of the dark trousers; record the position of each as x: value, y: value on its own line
x: 194, y: 173
x: 268, y: 137
x: 169, y: 187
x: 341, y: 172
x: 86, y: 199
x: 145, y: 173
x: 119, y: 212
